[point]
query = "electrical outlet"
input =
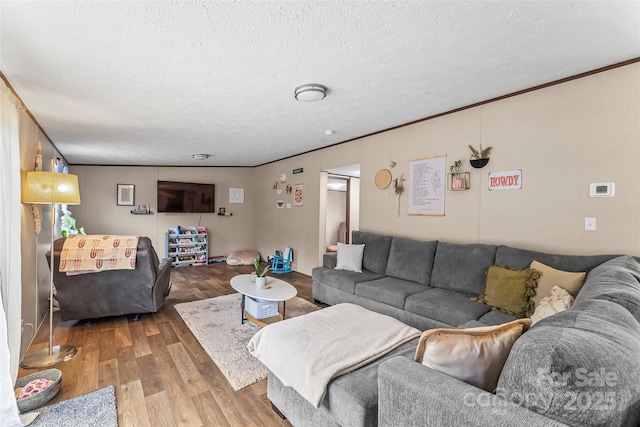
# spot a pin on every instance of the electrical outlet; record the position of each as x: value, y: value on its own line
x: 590, y: 224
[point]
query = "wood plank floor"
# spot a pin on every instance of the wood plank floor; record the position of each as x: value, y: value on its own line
x: 161, y: 374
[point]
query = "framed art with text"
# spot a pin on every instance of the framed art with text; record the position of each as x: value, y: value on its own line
x: 426, y: 186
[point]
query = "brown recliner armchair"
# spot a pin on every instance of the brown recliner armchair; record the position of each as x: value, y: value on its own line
x: 113, y: 292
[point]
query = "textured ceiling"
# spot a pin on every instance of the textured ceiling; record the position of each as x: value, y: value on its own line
x: 151, y: 83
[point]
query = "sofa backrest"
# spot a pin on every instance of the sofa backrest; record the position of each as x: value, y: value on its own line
x: 580, y: 366
x: 617, y: 280
x: 147, y: 264
x: 462, y: 267
x: 411, y: 260
x: 376, y: 250
x: 507, y: 256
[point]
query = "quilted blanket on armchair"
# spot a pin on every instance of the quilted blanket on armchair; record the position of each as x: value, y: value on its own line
x: 93, y: 253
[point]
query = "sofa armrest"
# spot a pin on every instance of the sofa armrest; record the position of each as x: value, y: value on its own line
x: 411, y: 394
x: 330, y: 260
x: 162, y: 287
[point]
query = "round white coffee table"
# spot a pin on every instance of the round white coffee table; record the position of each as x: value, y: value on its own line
x: 279, y: 291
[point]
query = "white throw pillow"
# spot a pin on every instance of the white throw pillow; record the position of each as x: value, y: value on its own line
x: 350, y: 257
x: 558, y: 301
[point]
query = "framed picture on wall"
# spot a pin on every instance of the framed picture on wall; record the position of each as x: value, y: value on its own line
x: 298, y: 195
x: 125, y: 194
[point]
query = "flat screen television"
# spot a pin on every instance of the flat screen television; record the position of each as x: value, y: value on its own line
x: 185, y: 197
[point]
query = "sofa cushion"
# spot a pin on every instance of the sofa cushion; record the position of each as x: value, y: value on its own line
x: 376, y: 250
x: 509, y: 290
x: 342, y: 279
x: 579, y: 367
x: 353, y: 398
x: 411, y: 260
x: 550, y: 277
x: 349, y: 257
x: 617, y: 280
x: 495, y: 317
x: 475, y: 355
x: 449, y: 307
x: 522, y: 258
x: 388, y: 290
x: 462, y: 268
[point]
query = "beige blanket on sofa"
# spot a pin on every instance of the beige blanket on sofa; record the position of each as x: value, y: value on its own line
x: 90, y: 254
x: 306, y: 352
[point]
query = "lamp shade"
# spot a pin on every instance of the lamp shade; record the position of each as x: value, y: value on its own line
x: 50, y: 188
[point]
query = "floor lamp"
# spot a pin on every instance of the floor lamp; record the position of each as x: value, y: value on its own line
x: 50, y: 188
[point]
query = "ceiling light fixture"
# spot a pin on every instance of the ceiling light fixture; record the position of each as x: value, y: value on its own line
x: 329, y: 132
x: 310, y: 92
x: 200, y: 156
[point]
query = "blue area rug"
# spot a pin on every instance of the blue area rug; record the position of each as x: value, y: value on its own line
x: 97, y: 408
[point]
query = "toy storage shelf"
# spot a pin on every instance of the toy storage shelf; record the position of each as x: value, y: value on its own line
x: 187, y: 246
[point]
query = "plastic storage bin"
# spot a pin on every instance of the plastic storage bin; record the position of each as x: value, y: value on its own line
x: 260, y: 309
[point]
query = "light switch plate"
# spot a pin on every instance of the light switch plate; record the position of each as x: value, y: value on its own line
x: 590, y: 224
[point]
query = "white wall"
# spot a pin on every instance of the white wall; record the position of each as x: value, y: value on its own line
x: 354, y: 206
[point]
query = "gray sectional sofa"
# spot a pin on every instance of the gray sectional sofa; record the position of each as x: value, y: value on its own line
x: 580, y: 367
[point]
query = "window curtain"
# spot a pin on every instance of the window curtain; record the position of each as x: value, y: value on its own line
x: 10, y: 256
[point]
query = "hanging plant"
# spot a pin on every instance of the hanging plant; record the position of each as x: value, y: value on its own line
x: 480, y: 154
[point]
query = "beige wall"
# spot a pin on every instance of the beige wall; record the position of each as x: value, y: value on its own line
x: 562, y: 138
x: 99, y: 213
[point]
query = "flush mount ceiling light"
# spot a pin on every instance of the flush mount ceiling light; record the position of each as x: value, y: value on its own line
x: 310, y: 92
x: 200, y: 156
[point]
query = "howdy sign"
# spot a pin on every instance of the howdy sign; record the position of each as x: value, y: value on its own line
x: 508, y: 180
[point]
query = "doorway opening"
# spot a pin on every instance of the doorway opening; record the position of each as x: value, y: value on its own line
x: 339, y: 206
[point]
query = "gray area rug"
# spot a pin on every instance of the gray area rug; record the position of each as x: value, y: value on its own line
x: 215, y: 322
x: 97, y: 408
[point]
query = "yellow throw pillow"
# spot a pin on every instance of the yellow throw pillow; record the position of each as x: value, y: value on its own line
x: 475, y: 355
x: 510, y: 291
x: 550, y: 277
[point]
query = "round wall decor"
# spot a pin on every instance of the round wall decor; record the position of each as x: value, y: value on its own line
x: 383, y: 178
